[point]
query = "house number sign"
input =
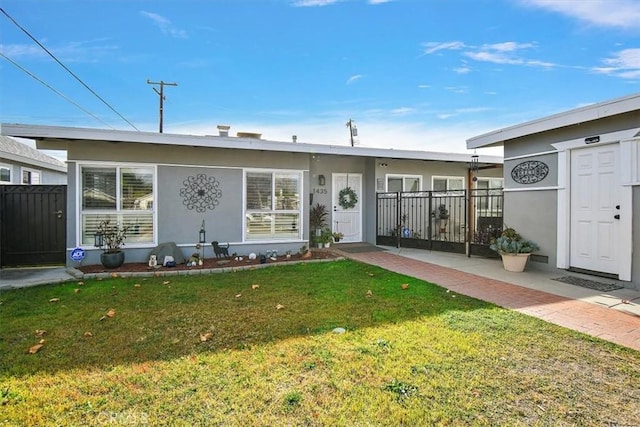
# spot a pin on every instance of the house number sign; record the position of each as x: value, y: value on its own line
x: 529, y: 172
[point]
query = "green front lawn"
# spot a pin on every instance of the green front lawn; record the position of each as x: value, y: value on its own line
x: 257, y: 348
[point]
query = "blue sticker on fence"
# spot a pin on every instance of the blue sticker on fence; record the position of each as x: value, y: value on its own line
x: 406, y: 232
x: 77, y: 254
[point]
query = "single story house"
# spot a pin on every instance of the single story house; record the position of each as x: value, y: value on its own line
x: 251, y: 193
x: 572, y: 183
x: 21, y: 164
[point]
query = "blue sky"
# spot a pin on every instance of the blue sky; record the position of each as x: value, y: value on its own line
x: 412, y: 74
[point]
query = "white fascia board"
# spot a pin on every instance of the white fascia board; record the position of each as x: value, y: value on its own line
x: 57, y: 134
x: 567, y: 118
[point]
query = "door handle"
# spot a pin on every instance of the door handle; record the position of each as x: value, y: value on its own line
x: 58, y: 214
x: 616, y: 216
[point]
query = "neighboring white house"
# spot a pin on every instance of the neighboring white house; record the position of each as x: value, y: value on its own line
x: 21, y: 164
x: 254, y: 194
x: 572, y: 183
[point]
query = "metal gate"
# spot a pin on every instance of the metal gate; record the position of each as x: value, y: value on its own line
x: 32, y: 225
x: 460, y: 221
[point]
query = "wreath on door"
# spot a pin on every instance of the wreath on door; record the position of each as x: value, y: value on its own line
x: 347, y: 198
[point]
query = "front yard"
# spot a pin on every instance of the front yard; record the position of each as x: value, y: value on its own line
x: 257, y: 347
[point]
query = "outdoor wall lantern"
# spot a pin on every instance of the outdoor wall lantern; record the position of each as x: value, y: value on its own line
x: 98, y: 240
x: 321, y: 180
x: 474, y: 166
x: 202, y: 237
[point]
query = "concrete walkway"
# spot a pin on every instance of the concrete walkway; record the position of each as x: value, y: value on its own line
x: 612, y: 316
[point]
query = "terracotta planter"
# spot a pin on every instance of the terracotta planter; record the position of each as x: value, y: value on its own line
x: 112, y: 259
x: 515, y: 262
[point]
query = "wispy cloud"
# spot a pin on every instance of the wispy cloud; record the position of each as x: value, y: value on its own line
x: 379, y: 1
x: 165, y: 25
x: 624, y: 64
x: 607, y: 13
x: 314, y: 3
x: 498, y: 53
x: 85, y: 51
x: 506, y: 53
x: 433, y: 47
x: 462, y: 70
x: 354, y: 78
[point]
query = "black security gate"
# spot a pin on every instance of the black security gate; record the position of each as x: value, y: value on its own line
x: 32, y: 225
x: 460, y: 221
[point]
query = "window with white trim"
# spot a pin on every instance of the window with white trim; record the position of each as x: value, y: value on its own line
x: 5, y: 174
x: 444, y: 184
x: 30, y: 176
x: 122, y: 194
x: 399, y: 183
x: 272, y: 205
x: 485, y: 197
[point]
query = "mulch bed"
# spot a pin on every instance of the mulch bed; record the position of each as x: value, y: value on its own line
x: 210, y: 263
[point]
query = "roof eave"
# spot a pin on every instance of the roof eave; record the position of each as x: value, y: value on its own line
x: 579, y: 115
x: 59, y: 134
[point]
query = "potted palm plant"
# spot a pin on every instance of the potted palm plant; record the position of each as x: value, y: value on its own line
x: 513, y: 249
x: 317, y: 220
x: 111, y: 236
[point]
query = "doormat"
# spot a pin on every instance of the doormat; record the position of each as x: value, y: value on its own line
x: 591, y: 284
x: 358, y: 249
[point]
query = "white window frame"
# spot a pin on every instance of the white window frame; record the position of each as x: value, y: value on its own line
x: 32, y: 172
x: 117, y: 211
x: 448, y: 178
x: 404, y: 183
x: 490, y: 208
x: 10, y: 168
x: 247, y: 212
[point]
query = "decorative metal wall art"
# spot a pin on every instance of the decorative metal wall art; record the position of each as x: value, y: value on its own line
x: 529, y: 172
x: 201, y: 192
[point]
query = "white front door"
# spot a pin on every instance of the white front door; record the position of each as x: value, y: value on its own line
x: 594, y: 205
x: 347, y: 220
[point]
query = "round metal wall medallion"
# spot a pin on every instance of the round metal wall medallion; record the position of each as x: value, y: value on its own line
x: 529, y: 172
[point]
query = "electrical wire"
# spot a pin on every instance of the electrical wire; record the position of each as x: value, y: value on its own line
x: 66, y: 68
x: 54, y: 90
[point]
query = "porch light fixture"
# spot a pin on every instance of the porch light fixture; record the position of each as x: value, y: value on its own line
x: 98, y: 240
x: 321, y: 180
x: 202, y: 236
x: 474, y: 166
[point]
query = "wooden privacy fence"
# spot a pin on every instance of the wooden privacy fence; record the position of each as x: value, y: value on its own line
x: 461, y: 221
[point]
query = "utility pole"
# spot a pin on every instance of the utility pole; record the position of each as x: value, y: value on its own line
x: 353, y: 130
x: 160, y: 93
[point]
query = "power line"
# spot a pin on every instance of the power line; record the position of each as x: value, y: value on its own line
x: 54, y: 90
x: 66, y: 68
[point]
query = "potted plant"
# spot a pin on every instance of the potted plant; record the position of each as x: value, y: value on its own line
x: 111, y: 238
x: 337, y: 236
x: 326, y: 236
x: 317, y: 220
x: 443, y: 217
x: 513, y: 249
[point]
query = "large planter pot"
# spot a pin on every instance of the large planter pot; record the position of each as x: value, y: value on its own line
x: 112, y: 259
x: 515, y: 262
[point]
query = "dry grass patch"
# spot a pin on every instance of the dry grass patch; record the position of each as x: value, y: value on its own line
x: 216, y: 350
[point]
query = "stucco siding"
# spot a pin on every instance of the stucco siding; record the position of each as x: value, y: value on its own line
x: 550, y: 180
x: 533, y: 214
x: 188, y: 156
x: 176, y: 222
x: 541, y: 142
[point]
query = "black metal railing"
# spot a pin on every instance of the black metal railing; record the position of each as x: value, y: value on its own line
x: 462, y: 221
